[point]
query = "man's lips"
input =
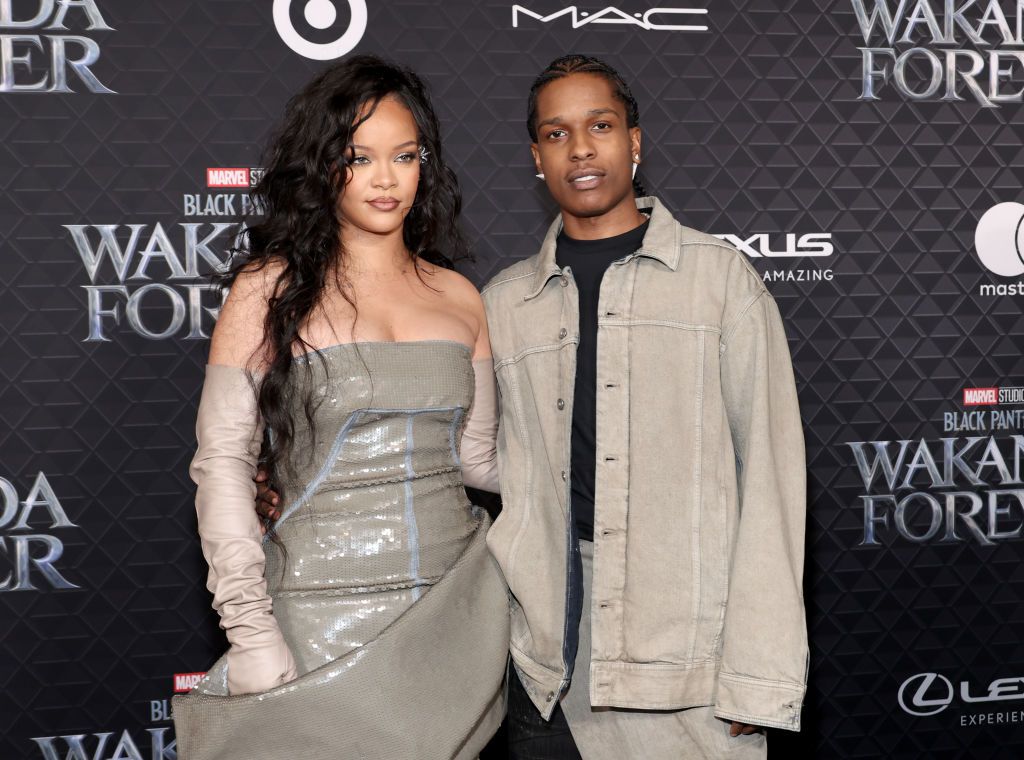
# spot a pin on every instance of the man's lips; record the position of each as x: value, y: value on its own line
x: 384, y: 204
x: 585, y: 179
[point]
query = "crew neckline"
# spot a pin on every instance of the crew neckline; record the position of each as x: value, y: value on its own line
x: 640, y: 229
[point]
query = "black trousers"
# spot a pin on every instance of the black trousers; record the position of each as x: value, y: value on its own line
x: 530, y: 737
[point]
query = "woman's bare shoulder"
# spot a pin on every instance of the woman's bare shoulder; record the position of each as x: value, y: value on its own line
x: 239, y: 333
x: 453, y: 285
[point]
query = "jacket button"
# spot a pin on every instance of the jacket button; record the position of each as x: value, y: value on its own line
x: 563, y: 474
x: 561, y: 403
x: 562, y: 333
x: 550, y: 696
x: 565, y: 281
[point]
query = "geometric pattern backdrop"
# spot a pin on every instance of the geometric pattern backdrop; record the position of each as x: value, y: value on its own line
x: 754, y: 129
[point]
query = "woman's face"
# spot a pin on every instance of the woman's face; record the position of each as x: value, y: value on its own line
x: 383, y: 171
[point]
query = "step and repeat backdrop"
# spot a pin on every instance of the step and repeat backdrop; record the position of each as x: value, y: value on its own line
x: 865, y: 154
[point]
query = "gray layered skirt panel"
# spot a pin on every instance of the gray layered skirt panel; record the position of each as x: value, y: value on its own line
x: 381, y: 580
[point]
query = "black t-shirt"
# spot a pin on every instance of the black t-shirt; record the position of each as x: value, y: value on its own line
x: 588, y: 260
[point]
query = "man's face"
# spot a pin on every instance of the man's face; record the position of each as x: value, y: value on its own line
x: 584, y: 147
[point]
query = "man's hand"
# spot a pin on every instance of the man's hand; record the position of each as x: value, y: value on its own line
x: 266, y: 497
x: 738, y: 728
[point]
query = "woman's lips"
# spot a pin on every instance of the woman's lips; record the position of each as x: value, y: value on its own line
x: 384, y: 204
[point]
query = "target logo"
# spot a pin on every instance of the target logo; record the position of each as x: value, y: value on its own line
x: 999, y: 239
x: 320, y: 14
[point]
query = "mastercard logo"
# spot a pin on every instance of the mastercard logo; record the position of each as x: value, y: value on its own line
x: 999, y: 239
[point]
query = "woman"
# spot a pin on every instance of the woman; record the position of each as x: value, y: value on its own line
x: 371, y: 622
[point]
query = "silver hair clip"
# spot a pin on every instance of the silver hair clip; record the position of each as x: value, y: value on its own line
x: 423, y: 154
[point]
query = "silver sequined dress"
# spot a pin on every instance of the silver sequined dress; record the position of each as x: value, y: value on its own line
x: 393, y: 609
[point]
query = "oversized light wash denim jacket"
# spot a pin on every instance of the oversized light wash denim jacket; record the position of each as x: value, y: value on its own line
x: 700, y: 485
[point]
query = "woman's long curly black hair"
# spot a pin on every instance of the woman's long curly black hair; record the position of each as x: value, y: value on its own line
x: 299, y: 229
x: 576, y: 63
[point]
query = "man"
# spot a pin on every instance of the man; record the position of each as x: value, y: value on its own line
x: 651, y: 463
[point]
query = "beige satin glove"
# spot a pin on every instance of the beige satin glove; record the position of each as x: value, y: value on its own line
x: 479, y: 451
x: 229, y: 431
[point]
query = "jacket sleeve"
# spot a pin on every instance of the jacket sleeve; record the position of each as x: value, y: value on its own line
x: 229, y: 432
x: 763, y: 675
x: 479, y: 452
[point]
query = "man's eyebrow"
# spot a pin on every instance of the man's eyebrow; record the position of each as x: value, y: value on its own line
x: 407, y: 142
x: 560, y: 119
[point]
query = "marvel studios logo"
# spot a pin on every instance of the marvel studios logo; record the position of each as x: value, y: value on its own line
x: 185, y: 682
x: 990, y: 396
x: 245, y: 177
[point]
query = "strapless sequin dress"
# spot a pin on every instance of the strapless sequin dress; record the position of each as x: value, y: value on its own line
x: 381, y: 581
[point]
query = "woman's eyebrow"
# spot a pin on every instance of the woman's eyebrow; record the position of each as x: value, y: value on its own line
x: 407, y: 142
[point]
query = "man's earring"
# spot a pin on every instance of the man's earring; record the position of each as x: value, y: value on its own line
x: 636, y: 163
x: 539, y: 176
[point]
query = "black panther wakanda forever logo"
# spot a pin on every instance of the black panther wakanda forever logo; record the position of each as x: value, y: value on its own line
x: 41, y: 49
x: 945, y: 50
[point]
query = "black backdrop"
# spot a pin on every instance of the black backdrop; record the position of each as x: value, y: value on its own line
x: 889, y: 231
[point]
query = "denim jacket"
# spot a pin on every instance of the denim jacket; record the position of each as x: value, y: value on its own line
x: 700, y: 485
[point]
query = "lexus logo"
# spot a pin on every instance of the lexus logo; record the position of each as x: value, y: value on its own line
x: 930, y: 693
x: 999, y: 239
x: 926, y: 694
x: 320, y: 14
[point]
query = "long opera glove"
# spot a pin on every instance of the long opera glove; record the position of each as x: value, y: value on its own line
x: 229, y: 431
x: 479, y: 449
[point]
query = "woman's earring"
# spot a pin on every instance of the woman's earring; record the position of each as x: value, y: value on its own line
x: 423, y: 154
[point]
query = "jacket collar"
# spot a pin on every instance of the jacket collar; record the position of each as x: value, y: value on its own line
x: 661, y: 242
